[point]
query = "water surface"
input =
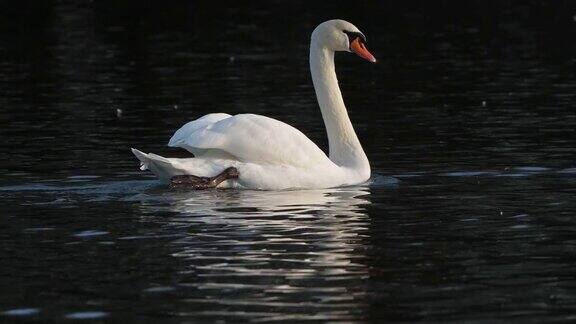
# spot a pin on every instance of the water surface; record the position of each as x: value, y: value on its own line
x: 468, y: 120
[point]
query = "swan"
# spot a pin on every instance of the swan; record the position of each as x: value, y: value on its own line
x: 251, y: 151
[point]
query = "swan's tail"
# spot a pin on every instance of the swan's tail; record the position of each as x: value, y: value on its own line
x: 166, y: 168
x: 162, y: 167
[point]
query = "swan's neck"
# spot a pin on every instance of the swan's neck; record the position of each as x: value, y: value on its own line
x: 344, y: 146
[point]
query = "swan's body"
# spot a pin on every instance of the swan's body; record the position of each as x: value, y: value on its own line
x: 268, y: 153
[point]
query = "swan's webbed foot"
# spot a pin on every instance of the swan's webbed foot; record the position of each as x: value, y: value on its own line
x: 200, y: 183
x: 190, y: 181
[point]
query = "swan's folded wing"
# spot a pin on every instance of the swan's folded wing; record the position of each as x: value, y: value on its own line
x: 185, y: 131
x: 253, y: 138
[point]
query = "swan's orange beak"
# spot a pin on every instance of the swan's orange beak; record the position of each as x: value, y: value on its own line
x: 357, y: 46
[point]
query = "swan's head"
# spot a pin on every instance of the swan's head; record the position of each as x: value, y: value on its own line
x: 340, y: 35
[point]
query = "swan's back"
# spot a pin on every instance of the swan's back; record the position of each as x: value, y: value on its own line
x: 249, y: 138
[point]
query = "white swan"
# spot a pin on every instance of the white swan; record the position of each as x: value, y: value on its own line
x: 269, y: 154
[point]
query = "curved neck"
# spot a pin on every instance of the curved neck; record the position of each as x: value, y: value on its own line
x: 344, y: 146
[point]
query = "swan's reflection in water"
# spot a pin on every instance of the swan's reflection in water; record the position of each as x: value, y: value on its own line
x: 272, y: 255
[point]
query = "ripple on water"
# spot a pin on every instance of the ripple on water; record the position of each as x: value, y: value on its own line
x: 86, y: 315
x: 90, y: 233
x: 532, y: 169
x: 384, y: 181
x: 568, y: 171
x: 468, y: 173
x: 161, y: 289
x: 39, y: 229
x: 69, y: 193
x: 21, y: 312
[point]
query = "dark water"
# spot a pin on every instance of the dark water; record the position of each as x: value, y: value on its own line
x: 468, y: 120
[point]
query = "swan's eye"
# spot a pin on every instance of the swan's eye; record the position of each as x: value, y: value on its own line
x: 357, y: 45
x: 352, y: 36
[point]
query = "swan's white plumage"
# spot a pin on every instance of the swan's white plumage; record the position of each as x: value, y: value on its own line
x: 252, y: 138
x: 188, y: 129
x: 268, y: 153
